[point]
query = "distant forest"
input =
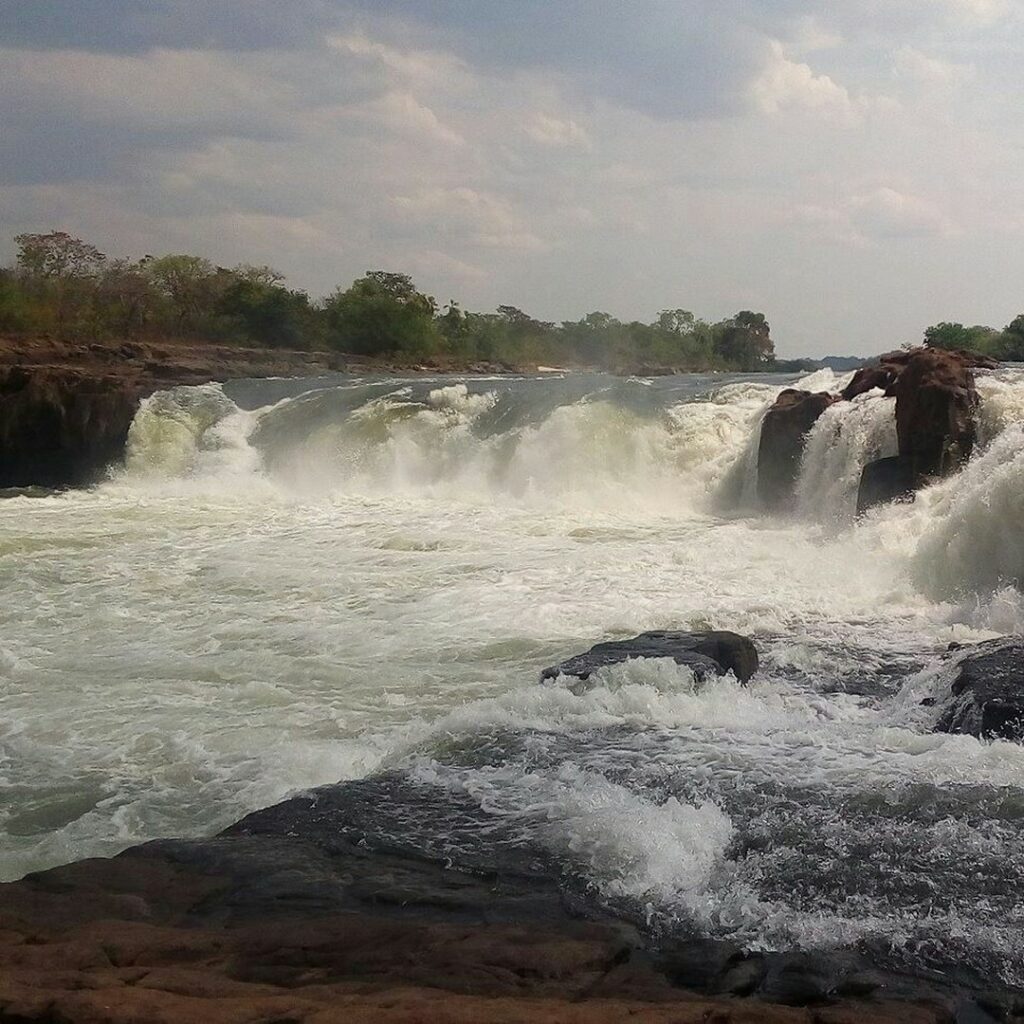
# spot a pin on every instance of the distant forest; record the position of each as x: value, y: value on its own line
x: 62, y: 286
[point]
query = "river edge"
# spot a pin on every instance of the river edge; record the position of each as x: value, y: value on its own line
x: 282, y: 918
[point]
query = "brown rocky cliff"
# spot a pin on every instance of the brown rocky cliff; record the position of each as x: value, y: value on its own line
x: 65, y: 409
x: 783, y: 432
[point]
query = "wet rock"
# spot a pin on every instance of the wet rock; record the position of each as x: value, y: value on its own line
x: 742, y: 978
x: 713, y: 652
x: 988, y: 692
x: 59, y: 428
x: 294, y: 915
x: 936, y: 405
x: 699, y: 963
x: 783, y: 433
x: 885, y: 480
x: 883, y: 375
x: 936, y: 412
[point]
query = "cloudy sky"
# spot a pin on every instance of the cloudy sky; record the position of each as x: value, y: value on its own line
x: 853, y: 168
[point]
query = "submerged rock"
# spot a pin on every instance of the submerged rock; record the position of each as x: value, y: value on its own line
x: 783, y: 432
x: 988, y: 692
x: 885, y: 480
x: 712, y: 652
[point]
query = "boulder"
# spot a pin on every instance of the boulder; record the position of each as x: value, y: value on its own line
x: 712, y: 652
x: 936, y: 418
x: 987, y: 693
x: 885, y: 480
x: 783, y: 432
x: 936, y: 403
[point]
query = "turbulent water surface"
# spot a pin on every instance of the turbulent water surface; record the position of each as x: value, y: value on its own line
x: 291, y: 583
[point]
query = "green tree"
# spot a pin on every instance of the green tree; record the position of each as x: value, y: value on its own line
x: 1010, y: 343
x: 744, y: 341
x: 57, y: 255
x: 190, y: 285
x: 268, y: 313
x: 382, y: 313
x: 956, y: 336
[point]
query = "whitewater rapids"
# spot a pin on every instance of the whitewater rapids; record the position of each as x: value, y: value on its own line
x: 290, y: 583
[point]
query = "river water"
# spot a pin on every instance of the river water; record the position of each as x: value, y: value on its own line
x: 291, y: 583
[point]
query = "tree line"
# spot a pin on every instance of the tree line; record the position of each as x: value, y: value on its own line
x: 1006, y: 344
x: 64, y: 287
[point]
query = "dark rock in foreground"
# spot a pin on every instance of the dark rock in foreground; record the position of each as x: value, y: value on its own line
x: 783, y: 433
x: 292, y: 915
x: 713, y: 652
x: 988, y: 692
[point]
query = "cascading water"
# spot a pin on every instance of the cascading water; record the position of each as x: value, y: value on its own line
x: 291, y: 583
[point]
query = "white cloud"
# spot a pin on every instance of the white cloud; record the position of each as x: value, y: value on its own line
x: 400, y: 111
x: 810, y: 35
x: 981, y: 12
x: 422, y: 67
x: 554, y: 131
x: 786, y: 83
x: 878, y: 215
x: 912, y: 64
x: 886, y: 213
x: 486, y: 219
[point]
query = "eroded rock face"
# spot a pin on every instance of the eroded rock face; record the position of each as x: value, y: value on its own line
x: 65, y: 407
x: 988, y: 692
x: 713, y: 652
x: 61, y: 427
x: 783, y: 433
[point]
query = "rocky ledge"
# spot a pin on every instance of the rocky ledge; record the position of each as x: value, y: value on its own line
x: 286, y: 918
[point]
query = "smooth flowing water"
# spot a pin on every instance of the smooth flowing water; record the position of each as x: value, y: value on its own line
x: 291, y: 583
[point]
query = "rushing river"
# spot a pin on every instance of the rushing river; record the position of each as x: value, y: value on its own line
x: 295, y: 582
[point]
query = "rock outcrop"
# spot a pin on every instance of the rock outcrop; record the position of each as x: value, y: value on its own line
x: 936, y: 419
x: 291, y: 916
x: 987, y: 698
x: 59, y: 428
x: 783, y: 433
x: 711, y: 652
x: 936, y: 406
